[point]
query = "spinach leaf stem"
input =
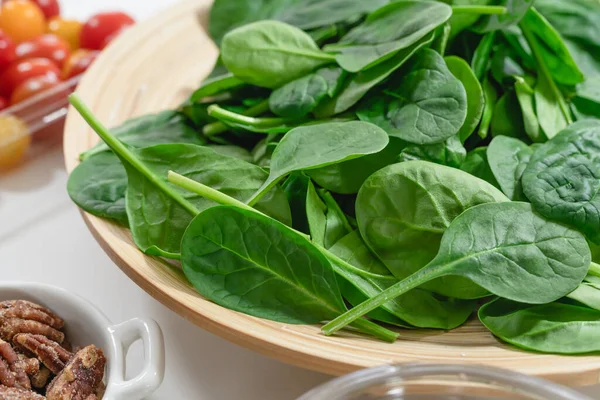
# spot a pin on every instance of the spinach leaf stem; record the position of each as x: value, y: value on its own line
x: 594, y: 269
x: 219, y: 127
x: 482, y: 10
x: 127, y: 154
x: 229, y: 116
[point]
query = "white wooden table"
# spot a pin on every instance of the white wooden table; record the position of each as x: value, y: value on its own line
x: 44, y: 239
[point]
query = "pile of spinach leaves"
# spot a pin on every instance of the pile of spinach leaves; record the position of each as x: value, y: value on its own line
x: 412, y: 160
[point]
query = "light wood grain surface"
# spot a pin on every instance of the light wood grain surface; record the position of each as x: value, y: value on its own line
x: 155, y: 66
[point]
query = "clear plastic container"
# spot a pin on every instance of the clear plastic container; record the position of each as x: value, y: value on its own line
x: 34, y: 124
x: 440, y: 382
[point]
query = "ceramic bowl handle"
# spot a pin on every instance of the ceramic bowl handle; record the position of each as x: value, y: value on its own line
x: 153, y: 371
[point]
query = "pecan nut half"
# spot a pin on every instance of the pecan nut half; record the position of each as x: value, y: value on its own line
x: 81, y: 378
x: 9, y: 393
x: 50, y: 353
x: 40, y: 379
x: 20, y: 316
x: 12, y: 368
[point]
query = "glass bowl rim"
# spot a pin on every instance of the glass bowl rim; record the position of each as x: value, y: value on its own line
x: 355, y: 381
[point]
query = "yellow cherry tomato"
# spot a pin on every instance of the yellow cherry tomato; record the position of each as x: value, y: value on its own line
x: 67, y: 29
x: 22, y: 20
x: 14, y: 141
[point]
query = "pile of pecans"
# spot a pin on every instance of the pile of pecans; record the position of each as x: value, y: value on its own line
x: 37, y: 362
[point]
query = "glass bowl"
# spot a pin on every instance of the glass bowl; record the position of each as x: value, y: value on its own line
x: 440, y: 382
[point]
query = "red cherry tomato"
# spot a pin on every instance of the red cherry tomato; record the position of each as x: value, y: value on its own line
x: 20, y: 71
x: 50, y: 8
x: 3, y: 103
x: 46, y: 46
x: 31, y: 87
x: 100, y: 26
x: 7, y: 50
x: 22, y: 20
x: 78, y: 63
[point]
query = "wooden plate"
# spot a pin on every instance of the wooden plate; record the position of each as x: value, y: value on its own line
x: 155, y: 66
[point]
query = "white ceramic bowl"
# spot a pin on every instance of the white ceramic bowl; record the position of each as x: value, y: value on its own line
x: 85, y: 325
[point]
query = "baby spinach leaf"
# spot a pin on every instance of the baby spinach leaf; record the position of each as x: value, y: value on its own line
x: 310, y: 14
x: 316, y: 212
x: 508, y: 157
x: 380, y: 36
x: 554, y: 52
x: 337, y: 225
x: 547, y: 107
x: 270, y: 53
x: 347, y: 177
x: 574, y: 19
x: 151, y: 129
x: 516, y: 10
x: 370, y: 277
x: 577, y: 22
x: 475, y: 100
x: 482, y: 56
x: 548, y: 95
x: 298, y: 98
x: 451, y: 153
x: 357, y: 85
x: 525, y: 96
x: 216, y: 85
x: 250, y: 263
x: 477, y: 165
x: 98, y: 186
x: 489, y: 242
x: 320, y: 145
x: 159, y: 212
x: 550, y: 328
x: 404, y: 209
x: 426, y: 104
x: 507, y: 119
x: 226, y: 15
x: 562, y: 180
x: 587, y: 100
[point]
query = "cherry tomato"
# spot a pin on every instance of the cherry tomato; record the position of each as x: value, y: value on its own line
x: 7, y: 50
x: 50, y: 8
x: 14, y: 141
x: 67, y: 29
x: 100, y: 26
x: 22, y: 20
x: 20, y: 71
x: 31, y: 87
x: 79, y: 62
x: 46, y: 46
x: 3, y: 103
